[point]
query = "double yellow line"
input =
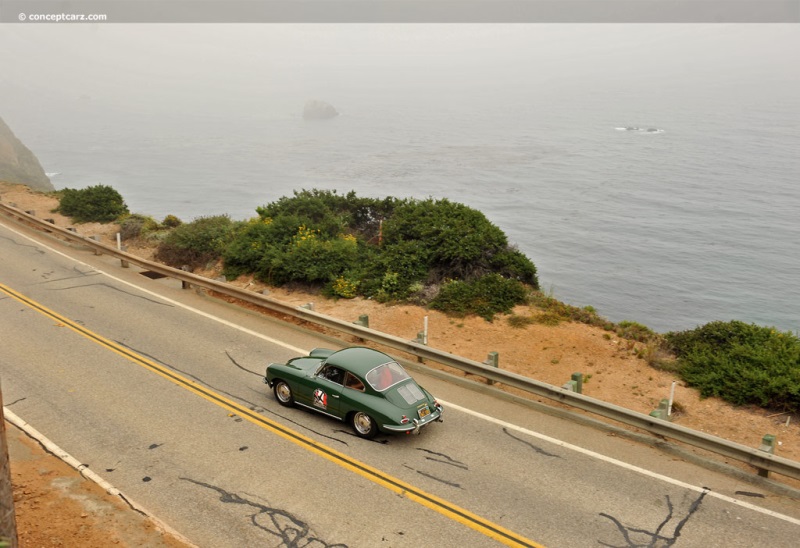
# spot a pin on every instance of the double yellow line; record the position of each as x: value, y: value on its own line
x: 492, y: 530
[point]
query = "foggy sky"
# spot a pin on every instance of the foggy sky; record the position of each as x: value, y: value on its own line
x: 181, y: 68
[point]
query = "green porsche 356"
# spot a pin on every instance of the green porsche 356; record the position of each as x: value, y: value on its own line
x: 358, y: 385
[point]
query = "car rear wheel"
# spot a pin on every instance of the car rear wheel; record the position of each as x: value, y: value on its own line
x: 283, y: 393
x: 364, y: 425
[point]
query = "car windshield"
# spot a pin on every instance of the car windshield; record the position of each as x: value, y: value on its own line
x: 386, y: 375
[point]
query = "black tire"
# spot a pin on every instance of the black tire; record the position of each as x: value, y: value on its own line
x: 283, y: 393
x: 363, y: 425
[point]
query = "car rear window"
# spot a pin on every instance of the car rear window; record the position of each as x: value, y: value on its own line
x: 386, y: 375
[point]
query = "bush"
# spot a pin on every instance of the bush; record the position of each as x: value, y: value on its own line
x: 492, y: 294
x: 312, y: 259
x: 388, y: 249
x: 553, y: 307
x: 95, y: 204
x: 344, y: 287
x: 451, y: 239
x: 519, y: 322
x: 549, y: 318
x: 171, y: 221
x: 511, y: 263
x: 136, y: 226
x: 635, y: 331
x: 197, y: 243
x: 741, y: 363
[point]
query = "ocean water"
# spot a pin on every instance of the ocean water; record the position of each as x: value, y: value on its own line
x: 674, y: 228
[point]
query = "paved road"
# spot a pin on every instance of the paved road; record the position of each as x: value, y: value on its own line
x: 159, y: 391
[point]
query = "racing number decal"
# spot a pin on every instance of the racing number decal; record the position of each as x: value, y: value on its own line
x: 320, y: 398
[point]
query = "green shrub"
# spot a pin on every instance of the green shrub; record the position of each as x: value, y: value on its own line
x: 391, y: 287
x: 554, y: 307
x: 519, y: 322
x: 390, y: 249
x: 549, y: 318
x: 741, y: 363
x: 511, y: 263
x: 408, y: 259
x: 453, y: 241
x: 171, y: 221
x: 249, y: 248
x: 492, y: 294
x: 312, y: 259
x: 136, y: 226
x: 95, y: 204
x: 344, y: 287
x: 196, y: 243
x: 635, y: 331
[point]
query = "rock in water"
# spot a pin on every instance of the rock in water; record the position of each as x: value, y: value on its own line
x: 18, y: 164
x: 318, y: 110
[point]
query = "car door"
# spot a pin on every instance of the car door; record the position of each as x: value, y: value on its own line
x: 322, y: 390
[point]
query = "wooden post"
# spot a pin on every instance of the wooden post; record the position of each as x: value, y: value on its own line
x: 8, y: 522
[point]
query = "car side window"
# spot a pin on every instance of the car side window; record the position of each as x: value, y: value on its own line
x: 333, y: 374
x: 351, y: 381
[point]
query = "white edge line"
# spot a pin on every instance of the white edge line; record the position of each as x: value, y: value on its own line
x: 621, y: 464
x: 453, y: 406
x: 90, y: 475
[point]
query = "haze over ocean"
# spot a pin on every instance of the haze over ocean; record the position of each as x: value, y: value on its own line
x: 672, y: 228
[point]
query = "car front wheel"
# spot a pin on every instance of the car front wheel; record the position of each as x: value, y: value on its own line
x: 283, y: 393
x: 364, y: 425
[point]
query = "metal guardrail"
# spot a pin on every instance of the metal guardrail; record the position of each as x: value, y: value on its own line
x: 761, y: 460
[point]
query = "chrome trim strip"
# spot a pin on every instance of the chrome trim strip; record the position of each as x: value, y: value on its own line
x: 317, y: 409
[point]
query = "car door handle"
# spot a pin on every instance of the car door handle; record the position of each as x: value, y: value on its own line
x: 335, y: 395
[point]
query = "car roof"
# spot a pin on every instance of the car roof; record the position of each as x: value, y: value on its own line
x: 358, y: 359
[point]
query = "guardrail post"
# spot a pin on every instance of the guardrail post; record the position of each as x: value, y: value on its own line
x: 123, y: 248
x: 578, y: 379
x: 492, y: 360
x: 363, y: 320
x: 184, y: 283
x: 663, y: 411
x: 96, y: 239
x: 768, y: 446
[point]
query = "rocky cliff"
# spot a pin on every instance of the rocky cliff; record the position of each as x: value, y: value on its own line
x: 18, y: 164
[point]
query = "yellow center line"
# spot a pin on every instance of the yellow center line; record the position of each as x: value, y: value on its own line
x: 486, y: 527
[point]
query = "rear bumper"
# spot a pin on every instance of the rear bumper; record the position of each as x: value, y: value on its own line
x: 416, y: 424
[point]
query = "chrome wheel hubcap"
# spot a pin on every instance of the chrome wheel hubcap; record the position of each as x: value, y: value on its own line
x: 363, y: 423
x: 284, y: 392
